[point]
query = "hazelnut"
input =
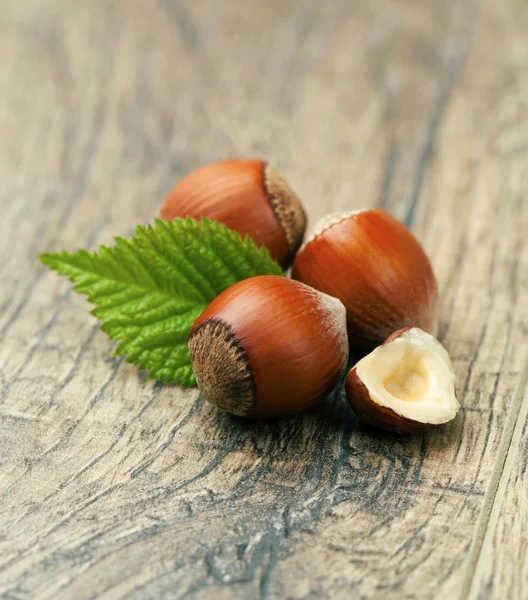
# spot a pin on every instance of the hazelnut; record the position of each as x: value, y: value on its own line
x: 269, y: 346
x: 247, y: 195
x: 405, y: 385
x: 377, y: 268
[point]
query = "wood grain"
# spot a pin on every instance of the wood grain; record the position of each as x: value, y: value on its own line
x: 112, y: 486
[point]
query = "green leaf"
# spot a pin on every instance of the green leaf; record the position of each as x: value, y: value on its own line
x: 149, y: 289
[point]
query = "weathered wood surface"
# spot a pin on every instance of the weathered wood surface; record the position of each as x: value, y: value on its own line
x: 112, y: 486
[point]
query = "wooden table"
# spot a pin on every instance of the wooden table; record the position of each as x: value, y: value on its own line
x: 113, y: 486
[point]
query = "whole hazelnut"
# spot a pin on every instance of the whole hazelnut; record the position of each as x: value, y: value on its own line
x: 247, y: 195
x: 269, y: 346
x: 377, y: 268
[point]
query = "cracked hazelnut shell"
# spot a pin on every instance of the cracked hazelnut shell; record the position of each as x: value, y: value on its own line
x: 405, y: 385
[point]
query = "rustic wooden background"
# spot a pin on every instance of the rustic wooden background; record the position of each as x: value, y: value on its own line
x: 113, y: 486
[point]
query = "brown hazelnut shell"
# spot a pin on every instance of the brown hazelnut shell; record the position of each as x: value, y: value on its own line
x: 268, y: 347
x: 248, y: 196
x: 377, y: 268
